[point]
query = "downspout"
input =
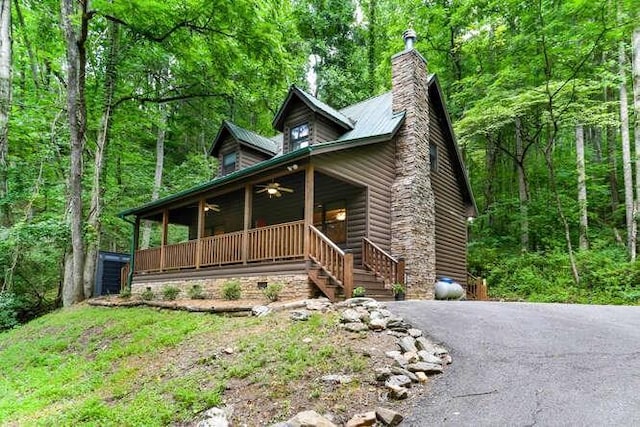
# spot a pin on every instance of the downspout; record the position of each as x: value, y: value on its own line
x: 132, y: 249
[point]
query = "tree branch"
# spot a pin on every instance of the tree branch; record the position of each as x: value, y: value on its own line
x: 161, y: 37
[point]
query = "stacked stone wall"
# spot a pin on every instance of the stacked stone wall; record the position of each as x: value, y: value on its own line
x: 294, y: 286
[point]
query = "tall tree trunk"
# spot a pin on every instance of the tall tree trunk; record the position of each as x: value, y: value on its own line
x: 95, y: 211
x: 523, y: 189
x: 72, y: 288
x: 489, y: 184
x: 5, y: 106
x: 626, y: 155
x: 371, y: 51
x: 635, y: 71
x: 612, y: 159
x: 33, y: 64
x: 157, y: 180
x: 582, y: 187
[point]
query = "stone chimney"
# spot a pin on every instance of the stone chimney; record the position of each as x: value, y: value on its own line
x: 412, y: 201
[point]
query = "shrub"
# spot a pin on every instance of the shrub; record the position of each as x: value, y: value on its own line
x: 125, y: 293
x: 170, y: 293
x: 195, y: 292
x: 358, y: 292
x: 272, y: 291
x: 147, y: 295
x: 9, y: 305
x: 231, y: 290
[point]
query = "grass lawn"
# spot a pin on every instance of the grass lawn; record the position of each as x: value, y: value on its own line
x: 141, y: 366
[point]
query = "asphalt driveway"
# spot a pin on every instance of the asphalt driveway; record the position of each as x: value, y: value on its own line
x: 518, y: 364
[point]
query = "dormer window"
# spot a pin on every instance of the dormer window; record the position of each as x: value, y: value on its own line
x: 299, y: 136
x: 228, y: 163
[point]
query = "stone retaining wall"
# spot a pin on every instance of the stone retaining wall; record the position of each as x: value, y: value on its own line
x: 295, y: 286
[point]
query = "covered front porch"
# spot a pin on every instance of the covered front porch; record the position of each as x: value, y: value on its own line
x: 302, y: 215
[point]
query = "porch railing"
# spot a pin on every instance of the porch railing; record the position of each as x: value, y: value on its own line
x: 281, y: 241
x: 335, y: 262
x: 384, y: 265
x: 276, y: 242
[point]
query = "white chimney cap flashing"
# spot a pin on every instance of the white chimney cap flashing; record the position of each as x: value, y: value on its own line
x: 410, y: 38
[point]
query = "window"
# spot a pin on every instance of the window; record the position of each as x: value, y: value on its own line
x: 330, y: 218
x: 228, y: 163
x: 433, y: 157
x: 299, y: 136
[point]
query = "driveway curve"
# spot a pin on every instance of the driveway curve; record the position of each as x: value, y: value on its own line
x: 520, y: 364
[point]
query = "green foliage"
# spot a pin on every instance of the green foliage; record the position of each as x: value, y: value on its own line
x: 125, y: 293
x: 170, y: 293
x: 397, y: 288
x: 147, y: 295
x: 272, y: 291
x: 358, y: 292
x: 231, y: 290
x: 196, y: 292
x: 9, y: 306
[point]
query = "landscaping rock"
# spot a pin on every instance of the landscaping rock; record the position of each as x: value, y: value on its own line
x: 382, y: 374
x: 422, y: 343
x: 439, y: 350
x: 307, y: 340
x: 388, y: 417
x: 350, y: 315
x: 411, y: 357
x: 398, y: 380
x: 407, y: 344
x: 446, y: 359
x: 422, y: 377
x: 362, y: 420
x: 355, y: 327
x: 397, y: 392
x: 427, y: 368
x: 415, y: 333
x: 215, y: 417
x: 425, y: 356
x: 396, y: 370
x: 337, y: 379
x: 378, y: 324
x: 300, y: 315
x: 309, y: 419
x: 260, y: 310
x: 352, y: 302
x: 318, y: 304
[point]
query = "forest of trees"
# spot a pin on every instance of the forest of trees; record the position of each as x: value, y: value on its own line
x: 105, y: 104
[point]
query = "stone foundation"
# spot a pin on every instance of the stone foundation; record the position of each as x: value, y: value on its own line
x: 294, y: 287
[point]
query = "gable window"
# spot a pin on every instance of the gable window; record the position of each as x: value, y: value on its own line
x: 229, y: 163
x: 433, y: 157
x: 299, y: 136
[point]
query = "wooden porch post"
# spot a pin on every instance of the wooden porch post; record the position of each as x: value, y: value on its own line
x: 400, y: 271
x: 165, y: 230
x: 200, y: 233
x: 248, y: 201
x: 347, y: 279
x: 136, y: 234
x: 308, y: 208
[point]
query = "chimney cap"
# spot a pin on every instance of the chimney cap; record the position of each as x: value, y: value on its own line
x: 410, y: 38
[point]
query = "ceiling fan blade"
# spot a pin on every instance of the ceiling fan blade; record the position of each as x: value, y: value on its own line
x: 288, y: 190
x: 262, y: 191
x: 278, y: 194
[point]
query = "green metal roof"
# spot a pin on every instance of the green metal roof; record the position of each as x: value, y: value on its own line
x: 373, y: 121
x: 315, y: 105
x: 246, y: 137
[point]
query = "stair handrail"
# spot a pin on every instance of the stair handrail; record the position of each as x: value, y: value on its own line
x: 383, y: 264
x: 338, y: 264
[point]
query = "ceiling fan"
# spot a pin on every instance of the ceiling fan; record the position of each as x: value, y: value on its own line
x: 211, y: 207
x: 273, y: 189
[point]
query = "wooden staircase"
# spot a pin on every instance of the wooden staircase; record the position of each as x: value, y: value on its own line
x: 373, y: 285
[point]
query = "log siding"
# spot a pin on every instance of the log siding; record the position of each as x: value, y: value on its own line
x: 451, y: 223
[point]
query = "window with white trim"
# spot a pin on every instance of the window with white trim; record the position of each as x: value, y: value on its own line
x: 299, y: 136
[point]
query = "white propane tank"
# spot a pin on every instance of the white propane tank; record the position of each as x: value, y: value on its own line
x: 446, y: 288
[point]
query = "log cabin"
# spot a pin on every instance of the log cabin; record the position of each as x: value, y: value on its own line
x: 370, y: 195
